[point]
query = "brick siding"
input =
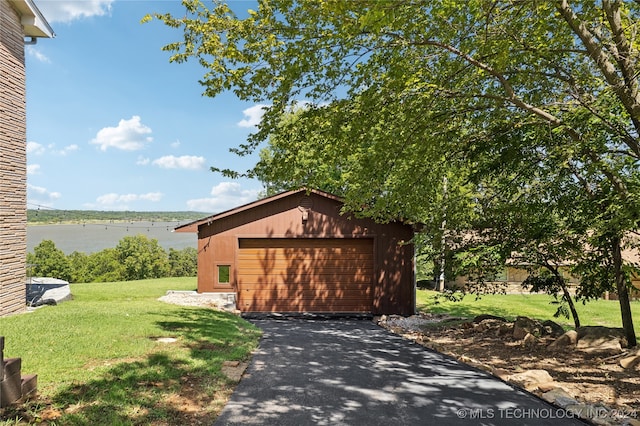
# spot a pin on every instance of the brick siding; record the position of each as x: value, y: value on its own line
x: 13, y: 163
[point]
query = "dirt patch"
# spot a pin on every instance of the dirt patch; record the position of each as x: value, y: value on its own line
x: 591, y: 378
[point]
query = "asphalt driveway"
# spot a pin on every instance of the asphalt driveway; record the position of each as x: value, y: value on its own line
x: 352, y: 372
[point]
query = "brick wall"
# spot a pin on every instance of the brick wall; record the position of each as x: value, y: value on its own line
x: 13, y: 163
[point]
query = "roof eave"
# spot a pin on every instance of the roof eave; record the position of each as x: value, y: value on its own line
x: 32, y: 20
x: 193, y: 226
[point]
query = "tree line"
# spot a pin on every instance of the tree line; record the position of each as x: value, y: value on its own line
x: 43, y: 216
x: 134, y: 258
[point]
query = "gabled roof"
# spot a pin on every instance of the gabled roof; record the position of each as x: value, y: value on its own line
x: 193, y: 226
x: 32, y: 20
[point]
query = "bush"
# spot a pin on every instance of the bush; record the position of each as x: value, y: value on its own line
x: 183, y: 263
x: 133, y: 258
x: 141, y: 258
x: 49, y: 261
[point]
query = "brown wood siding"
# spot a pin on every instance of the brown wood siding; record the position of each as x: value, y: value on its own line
x: 305, y: 274
x: 13, y: 163
x: 392, y: 288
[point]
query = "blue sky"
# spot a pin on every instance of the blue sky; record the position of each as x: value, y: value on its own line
x: 112, y: 125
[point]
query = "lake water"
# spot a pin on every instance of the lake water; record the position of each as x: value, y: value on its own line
x: 94, y: 237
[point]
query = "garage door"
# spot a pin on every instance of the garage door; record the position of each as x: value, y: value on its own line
x: 305, y: 275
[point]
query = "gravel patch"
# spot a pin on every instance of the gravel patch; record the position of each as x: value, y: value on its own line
x: 192, y: 298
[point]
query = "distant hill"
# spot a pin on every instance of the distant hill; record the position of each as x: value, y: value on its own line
x: 36, y: 216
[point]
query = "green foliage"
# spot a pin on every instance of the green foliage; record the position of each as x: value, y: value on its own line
x: 102, y: 266
x: 141, y: 258
x: 530, y: 110
x: 133, y: 257
x: 49, y: 261
x: 183, y: 263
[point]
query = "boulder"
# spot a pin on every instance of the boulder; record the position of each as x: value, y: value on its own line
x: 548, y: 386
x: 484, y: 317
x: 559, y: 397
x: 529, y: 340
x: 552, y: 328
x: 505, y: 329
x: 523, y: 326
x: 568, y: 339
x: 600, y: 340
x: 488, y: 325
x: 530, y: 379
x: 630, y: 362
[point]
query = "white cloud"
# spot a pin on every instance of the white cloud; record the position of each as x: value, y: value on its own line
x: 225, y: 196
x: 37, y: 55
x: 175, y: 144
x: 121, y: 201
x: 69, y: 10
x: 38, y: 195
x: 253, y: 115
x: 152, y: 196
x: 67, y: 149
x: 187, y: 162
x: 130, y: 135
x: 33, y: 169
x: 143, y: 161
x: 35, y: 148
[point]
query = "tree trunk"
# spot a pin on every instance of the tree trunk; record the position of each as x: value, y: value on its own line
x: 443, y: 239
x: 623, y: 294
x: 566, y: 296
x: 572, y: 306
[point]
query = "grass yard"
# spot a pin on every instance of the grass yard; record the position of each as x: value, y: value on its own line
x: 538, y: 306
x: 99, y: 362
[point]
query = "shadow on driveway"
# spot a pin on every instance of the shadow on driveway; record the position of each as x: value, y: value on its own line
x: 352, y: 372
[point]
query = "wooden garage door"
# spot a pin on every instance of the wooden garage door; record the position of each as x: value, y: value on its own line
x: 305, y: 275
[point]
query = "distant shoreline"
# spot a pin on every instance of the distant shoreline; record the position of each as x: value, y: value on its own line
x: 94, y: 236
x: 104, y: 222
x: 79, y: 217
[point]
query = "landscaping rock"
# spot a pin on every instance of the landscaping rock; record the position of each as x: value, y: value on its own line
x: 600, y: 340
x: 552, y: 328
x: 523, y: 326
x: 500, y: 372
x: 529, y: 340
x: 505, y: 329
x: 487, y: 325
x: 483, y: 317
x: 568, y: 339
x: 630, y: 362
x: 548, y: 386
x: 559, y: 397
x: 530, y: 379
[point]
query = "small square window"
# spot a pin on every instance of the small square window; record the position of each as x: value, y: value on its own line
x: 224, y: 274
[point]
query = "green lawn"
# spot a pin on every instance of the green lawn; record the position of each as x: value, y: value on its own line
x: 539, y: 306
x: 99, y: 362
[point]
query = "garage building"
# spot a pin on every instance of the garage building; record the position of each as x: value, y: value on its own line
x: 296, y: 252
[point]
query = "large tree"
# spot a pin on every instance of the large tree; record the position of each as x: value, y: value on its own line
x: 407, y: 92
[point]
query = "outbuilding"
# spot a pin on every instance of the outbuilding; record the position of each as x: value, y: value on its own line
x: 298, y: 252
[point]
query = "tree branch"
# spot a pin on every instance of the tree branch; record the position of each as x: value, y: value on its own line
x: 629, y: 98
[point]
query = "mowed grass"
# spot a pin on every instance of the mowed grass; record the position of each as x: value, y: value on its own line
x: 538, y: 306
x: 99, y: 361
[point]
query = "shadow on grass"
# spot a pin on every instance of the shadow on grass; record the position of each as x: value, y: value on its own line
x: 463, y: 310
x: 211, y: 334
x: 467, y: 309
x: 177, y: 383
